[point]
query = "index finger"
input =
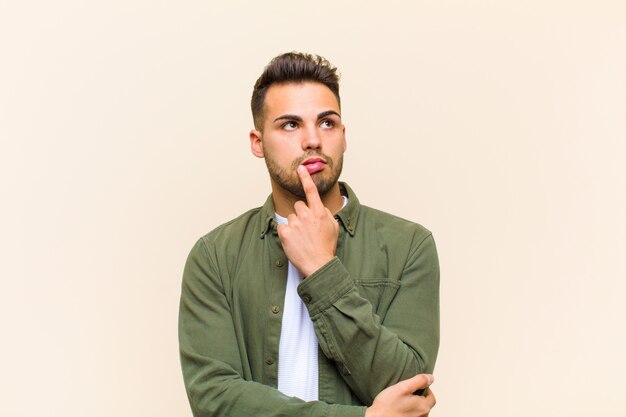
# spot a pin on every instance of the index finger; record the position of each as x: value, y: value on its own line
x: 418, y: 382
x: 310, y: 189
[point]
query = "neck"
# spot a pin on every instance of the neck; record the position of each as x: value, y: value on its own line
x: 284, y: 200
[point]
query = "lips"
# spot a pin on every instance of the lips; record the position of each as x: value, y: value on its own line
x: 314, y: 165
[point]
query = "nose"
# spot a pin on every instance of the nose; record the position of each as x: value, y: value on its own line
x: 311, y: 139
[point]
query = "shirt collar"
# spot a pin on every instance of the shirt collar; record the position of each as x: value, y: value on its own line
x: 347, y: 216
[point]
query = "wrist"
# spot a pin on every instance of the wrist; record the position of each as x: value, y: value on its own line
x: 315, y: 266
x: 369, y: 412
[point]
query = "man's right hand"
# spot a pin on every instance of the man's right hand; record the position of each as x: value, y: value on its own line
x: 399, y: 401
x: 309, y: 239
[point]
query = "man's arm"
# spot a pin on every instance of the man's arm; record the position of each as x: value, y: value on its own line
x: 370, y: 355
x: 210, y: 359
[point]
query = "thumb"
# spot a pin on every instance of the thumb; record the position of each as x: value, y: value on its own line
x: 418, y: 382
x: 280, y: 230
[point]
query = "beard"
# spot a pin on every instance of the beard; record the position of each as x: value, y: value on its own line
x: 289, y: 180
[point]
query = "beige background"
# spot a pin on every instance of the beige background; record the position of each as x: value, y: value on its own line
x: 499, y: 125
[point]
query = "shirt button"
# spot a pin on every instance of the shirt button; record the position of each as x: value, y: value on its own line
x: 275, y: 309
x: 306, y: 298
x: 269, y: 361
x: 279, y: 263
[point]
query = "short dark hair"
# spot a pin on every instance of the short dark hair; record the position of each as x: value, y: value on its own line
x: 293, y: 67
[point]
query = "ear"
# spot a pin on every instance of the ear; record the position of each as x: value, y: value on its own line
x: 345, y: 145
x: 256, y: 143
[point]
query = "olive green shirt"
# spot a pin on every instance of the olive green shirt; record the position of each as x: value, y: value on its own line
x: 374, y: 307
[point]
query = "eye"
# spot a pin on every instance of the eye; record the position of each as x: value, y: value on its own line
x: 327, y: 124
x: 290, y: 126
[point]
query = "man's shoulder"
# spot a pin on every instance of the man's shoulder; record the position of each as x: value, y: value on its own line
x: 372, y: 223
x: 392, y: 224
x: 245, y: 224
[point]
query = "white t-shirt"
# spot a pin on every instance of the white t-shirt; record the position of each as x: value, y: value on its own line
x: 297, y: 353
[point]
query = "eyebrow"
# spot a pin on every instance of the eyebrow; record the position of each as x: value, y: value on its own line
x: 299, y: 119
x: 288, y: 117
x: 327, y: 113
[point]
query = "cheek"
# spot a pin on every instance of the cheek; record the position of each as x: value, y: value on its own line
x: 338, y: 142
x: 282, y: 153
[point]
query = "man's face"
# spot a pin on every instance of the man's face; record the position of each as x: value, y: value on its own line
x: 302, y: 126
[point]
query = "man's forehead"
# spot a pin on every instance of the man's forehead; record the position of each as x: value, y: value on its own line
x: 301, y: 97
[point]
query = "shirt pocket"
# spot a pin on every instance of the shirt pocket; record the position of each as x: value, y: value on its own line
x: 379, y: 292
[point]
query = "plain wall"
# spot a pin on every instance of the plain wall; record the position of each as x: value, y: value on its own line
x: 499, y: 125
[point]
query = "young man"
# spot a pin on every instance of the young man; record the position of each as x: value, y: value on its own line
x: 312, y: 305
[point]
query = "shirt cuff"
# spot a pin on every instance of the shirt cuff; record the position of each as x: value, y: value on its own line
x: 323, y: 287
x: 347, y: 411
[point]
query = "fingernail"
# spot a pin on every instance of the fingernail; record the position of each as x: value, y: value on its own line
x: 301, y: 168
x: 431, y: 379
